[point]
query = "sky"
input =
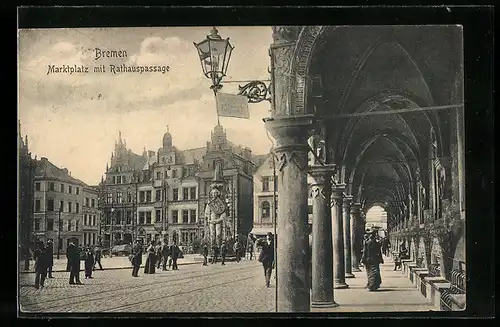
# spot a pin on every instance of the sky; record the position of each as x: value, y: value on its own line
x: 74, y: 120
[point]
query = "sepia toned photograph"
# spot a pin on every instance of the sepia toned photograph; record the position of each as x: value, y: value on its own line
x: 225, y: 169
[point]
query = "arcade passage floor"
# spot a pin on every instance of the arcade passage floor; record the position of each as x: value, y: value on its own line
x: 195, y: 288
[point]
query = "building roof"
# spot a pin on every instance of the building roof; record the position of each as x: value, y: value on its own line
x: 150, y: 161
x: 191, y: 155
x: 47, y: 170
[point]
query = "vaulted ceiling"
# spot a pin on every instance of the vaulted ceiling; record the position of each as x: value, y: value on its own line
x: 366, y: 71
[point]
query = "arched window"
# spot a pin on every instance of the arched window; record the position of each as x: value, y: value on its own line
x: 266, y: 210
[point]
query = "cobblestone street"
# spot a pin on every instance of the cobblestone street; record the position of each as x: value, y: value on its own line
x: 195, y: 288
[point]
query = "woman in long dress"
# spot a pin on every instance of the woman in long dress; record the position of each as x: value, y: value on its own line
x: 371, y: 259
x: 149, y: 267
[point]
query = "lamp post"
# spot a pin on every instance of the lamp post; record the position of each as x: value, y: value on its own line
x: 215, y: 54
x: 59, y: 233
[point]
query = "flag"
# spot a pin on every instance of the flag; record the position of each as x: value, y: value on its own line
x: 232, y: 105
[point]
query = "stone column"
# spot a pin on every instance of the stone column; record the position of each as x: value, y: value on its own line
x: 338, y: 237
x: 291, y: 136
x: 355, y: 237
x: 322, y: 247
x: 347, y: 236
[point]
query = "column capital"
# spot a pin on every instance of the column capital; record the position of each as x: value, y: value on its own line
x: 291, y: 133
x: 355, y: 207
x: 321, y: 174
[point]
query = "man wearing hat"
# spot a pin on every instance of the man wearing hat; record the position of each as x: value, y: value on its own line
x: 267, y: 257
x: 50, y: 256
x: 136, y: 258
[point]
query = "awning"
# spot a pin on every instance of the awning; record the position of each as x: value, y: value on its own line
x: 262, y: 231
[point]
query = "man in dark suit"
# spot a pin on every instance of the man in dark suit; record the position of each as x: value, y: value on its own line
x: 215, y: 253
x: 73, y: 255
x: 237, y: 247
x: 267, y: 257
x: 40, y: 254
x: 136, y: 258
x: 50, y: 256
x: 223, y: 252
x: 174, y: 254
x: 205, y: 254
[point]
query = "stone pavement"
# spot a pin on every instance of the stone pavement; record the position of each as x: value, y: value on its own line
x: 395, y: 294
x: 235, y: 287
x: 115, y: 262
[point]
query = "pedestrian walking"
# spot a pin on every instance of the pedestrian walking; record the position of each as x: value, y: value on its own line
x: 174, y: 254
x: 50, y: 256
x: 97, y: 258
x: 150, y: 265
x: 136, y: 258
x: 89, y: 263
x: 266, y: 257
x: 40, y: 255
x: 165, y: 252
x: 73, y: 256
x: 237, y: 249
x: 205, y: 254
x: 158, y: 255
x: 372, y: 258
x: 223, y: 252
x: 215, y: 253
x: 250, y: 250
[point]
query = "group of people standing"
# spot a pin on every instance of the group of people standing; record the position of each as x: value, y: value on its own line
x: 222, y: 251
x: 43, y: 255
x: 158, y: 254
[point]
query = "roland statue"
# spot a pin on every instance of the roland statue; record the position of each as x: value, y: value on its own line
x: 215, y: 211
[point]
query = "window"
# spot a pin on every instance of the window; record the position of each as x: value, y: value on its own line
x: 62, y: 188
x: 110, y: 198
x: 192, y: 193
x: 77, y: 207
x: 69, y: 206
x: 158, y: 175
x: 174, y: 173
x: 37, y: 224
x: 148, y: 217
x: 158, y: 195
x: 93, y: 203
x: 70, y: 189
x: 185, y: 216
x: 93, y: 220
x: 175, y: 194
x: 87, y: 202
x: 85, y: 220
x: 141, y: 218
x: 50, y: 224
x: 129, y: 197
x: 77, y: 225
x: 158, y: 216
x: 69, y: 226
x: 265, y: 209
x: 276, y: 183
x: 129, y: 217
x: 37, y: 186
x: 50, y: 205
x: 265, y: 184
x: 141, y: 196
x: 148, y: 196
x: 175, y: 216
x: 37, y: 205
x: 51, y: 186
x: 114, y: 180
x: 118, y: 179
x: 61, y: 206
x: 61, y: 225
x: 118, y: 217
x: 185, y: 193
x: 119, y: 197
x: 192, y: 216
x: 77, y: 190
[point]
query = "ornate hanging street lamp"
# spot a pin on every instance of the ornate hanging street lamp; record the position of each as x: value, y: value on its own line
x: 215, y: 54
